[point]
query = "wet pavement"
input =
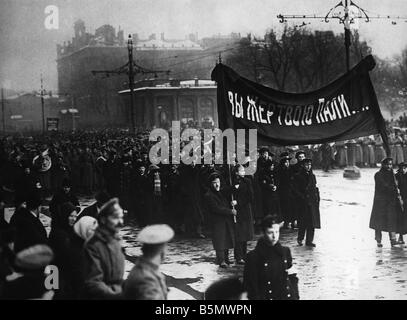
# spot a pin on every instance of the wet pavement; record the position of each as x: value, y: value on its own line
x: 346, y: 264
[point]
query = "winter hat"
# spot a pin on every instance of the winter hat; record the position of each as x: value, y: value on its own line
x: 85, y: 227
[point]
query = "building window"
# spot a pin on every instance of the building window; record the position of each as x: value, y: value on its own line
x: 206, y: 112
x: 186, y: 111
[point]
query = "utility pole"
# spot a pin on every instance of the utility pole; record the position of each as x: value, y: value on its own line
x: 347, y: 18
x: 3, y: 111
x: 42, y: 106
x: 131, y: 68
x: 131, y: 82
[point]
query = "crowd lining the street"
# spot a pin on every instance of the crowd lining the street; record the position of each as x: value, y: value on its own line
x: 195, y: 200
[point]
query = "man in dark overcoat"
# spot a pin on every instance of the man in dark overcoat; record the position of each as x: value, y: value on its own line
x: 29, y: 230
x: 387, y: 210
x: 221, y: 220
x: 243, y: 194
x: 307, y: 195
x: 284, y: 177
x: 401, y: 177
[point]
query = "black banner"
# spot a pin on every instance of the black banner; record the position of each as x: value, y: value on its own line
x: 345, y: 109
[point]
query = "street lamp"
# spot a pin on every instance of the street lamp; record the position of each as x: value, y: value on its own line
x: 131, y: 81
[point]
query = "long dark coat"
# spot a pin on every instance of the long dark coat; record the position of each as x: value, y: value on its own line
x: 57, y: 201
x: 264, y: 275
x: 190, y: 193
x: 402, y: 184
x: 220, y: 219
x: 244, y: 220
x: 271, y: 202
x: 103, y: 266
x: 29, y: 230
x: 307, y: 195
x: 386, y: 212
x: 284, y: 177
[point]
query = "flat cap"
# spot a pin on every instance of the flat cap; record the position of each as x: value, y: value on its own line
x: 34, y: 258
x: 155, y: 234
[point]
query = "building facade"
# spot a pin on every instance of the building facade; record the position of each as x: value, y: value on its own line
x: 96, y: 96
x: 192, y: 102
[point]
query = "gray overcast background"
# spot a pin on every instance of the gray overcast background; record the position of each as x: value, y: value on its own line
x: 27, y: 48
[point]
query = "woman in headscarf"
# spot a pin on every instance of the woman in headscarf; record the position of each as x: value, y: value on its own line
x: 61, y: 239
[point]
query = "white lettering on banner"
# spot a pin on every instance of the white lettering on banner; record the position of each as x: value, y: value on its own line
x: 320, y: 105
x: 344, y: 106
x: 287, y: 119
x: 230, y: 94
x: 326, y: 111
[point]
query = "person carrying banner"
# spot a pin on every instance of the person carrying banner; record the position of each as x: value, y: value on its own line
x: 221, y: 220
x: 387, y: 204
x: 307, y: 194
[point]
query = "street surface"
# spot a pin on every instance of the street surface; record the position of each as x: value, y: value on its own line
x: 346, y: 264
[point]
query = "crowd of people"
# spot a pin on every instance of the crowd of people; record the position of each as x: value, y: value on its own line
x: 193, y: 200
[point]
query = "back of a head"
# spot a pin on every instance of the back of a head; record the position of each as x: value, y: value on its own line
x: 102, y: 197
x: 225, y: 289
x: 108, y: 208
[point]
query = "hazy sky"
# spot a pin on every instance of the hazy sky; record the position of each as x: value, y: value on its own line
x: 27, y: 48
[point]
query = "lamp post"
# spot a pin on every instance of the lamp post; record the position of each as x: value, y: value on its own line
x: 131, y: 81
x: 42, y: 106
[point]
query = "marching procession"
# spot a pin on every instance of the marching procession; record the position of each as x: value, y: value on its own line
x: 191, y: 201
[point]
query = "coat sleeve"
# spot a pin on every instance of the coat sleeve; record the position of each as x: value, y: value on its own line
x: 288, y: 257
x: 250, y: 279
x: 214, y: 207
x: 144, y: 288
x: 94, y: 285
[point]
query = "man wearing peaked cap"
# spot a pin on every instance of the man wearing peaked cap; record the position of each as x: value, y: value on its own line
x: 145, y: 281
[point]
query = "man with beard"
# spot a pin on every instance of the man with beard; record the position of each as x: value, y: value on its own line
x: 103, y: 255
x: 387, y: 209
x: 221, y: 218
x: 145, y: 281
x: 307, y: 195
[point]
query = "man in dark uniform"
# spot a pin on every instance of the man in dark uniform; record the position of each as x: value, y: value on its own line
x: 387, y: 208
x: 221, y: 218
x: 307, y: 195
x: 145, y: 281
